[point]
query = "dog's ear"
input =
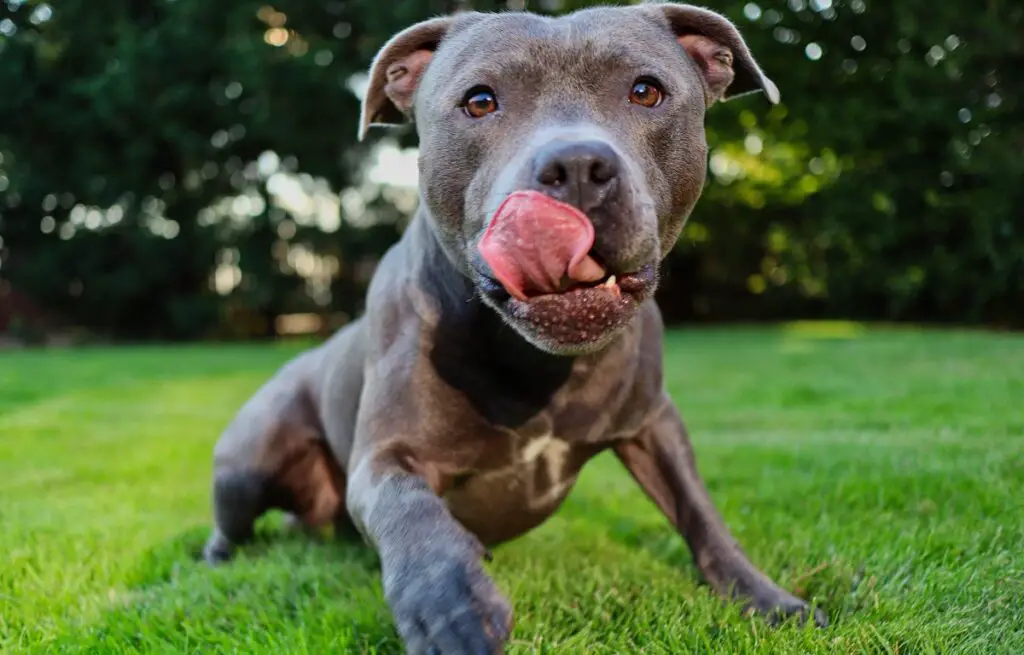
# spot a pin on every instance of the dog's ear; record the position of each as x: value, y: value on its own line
x: 716, y: 46
x: 396, y: 71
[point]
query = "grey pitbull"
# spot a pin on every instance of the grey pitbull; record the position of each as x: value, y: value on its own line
x: 510, y: 335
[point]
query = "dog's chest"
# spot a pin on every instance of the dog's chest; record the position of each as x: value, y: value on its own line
x: 503, y: 502
x: 518, y: 477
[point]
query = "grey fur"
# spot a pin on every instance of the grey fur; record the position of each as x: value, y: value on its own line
x: 444, y: 421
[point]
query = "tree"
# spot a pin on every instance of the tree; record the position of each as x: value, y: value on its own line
x: 149, y: 151
x: 139, y: 140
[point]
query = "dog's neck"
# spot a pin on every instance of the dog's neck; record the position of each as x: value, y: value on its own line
x: 472, y: 345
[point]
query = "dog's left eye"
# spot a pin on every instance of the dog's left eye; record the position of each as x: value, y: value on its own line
x: 479, y: 102
x: 646, y: 93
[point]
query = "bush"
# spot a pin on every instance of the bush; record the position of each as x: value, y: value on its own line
x: 142, y: 145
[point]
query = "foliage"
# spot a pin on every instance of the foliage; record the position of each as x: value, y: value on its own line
x: 891, y: 188
x: 149, y: 151
x: 129, y: 132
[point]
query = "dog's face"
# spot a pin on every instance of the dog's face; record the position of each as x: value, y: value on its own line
x: 560, y: 158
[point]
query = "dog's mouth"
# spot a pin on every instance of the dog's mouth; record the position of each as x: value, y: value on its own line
x: 580, y: 316
x: 543, y: 274
x: 610, y: 286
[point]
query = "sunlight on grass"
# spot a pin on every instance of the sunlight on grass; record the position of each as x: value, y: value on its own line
x: 824, y: 329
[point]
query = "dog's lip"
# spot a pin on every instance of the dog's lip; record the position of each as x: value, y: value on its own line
x: 635, y: 284
x: 578, y: 317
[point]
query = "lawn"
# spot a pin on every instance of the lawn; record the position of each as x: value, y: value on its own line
x: 878, y: 472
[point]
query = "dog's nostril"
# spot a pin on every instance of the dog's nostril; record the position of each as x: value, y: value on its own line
x: 602, y: 171
x: 553, y: 173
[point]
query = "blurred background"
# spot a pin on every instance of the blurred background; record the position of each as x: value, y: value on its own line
x: 187, y: 169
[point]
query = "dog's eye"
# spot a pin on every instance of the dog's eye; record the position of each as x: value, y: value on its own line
x: 479, y: 102
x: 646, y: 93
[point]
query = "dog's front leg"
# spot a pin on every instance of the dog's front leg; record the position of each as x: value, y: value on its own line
x: 661, y: 460
x: 442, y: 600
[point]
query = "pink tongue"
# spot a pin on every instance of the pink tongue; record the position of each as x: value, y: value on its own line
x: 534, y: 242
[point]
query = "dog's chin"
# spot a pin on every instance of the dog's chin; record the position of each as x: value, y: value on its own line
x: 577, y: 321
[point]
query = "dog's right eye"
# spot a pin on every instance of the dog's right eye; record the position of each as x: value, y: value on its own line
x: 479, y: 102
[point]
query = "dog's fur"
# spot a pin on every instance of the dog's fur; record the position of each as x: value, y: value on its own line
x: 449, y: 418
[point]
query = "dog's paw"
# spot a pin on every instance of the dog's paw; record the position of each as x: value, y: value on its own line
x: 218, y: 549
x: 779, y: 608
x: 447, y: 605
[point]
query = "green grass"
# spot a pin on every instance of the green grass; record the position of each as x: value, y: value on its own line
x: 877, y: 472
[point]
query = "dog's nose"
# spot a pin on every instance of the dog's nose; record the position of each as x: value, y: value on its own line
x: 577, y: 172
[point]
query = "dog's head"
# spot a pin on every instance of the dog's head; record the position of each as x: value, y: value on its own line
x: 560, y: 157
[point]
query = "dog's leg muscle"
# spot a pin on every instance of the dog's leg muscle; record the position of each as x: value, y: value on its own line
x: 661, y: 460
x: 273, y: 456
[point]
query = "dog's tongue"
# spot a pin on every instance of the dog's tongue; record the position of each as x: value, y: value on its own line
x: 535, y: 242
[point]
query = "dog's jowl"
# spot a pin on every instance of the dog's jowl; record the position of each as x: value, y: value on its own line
x: 510, y: 335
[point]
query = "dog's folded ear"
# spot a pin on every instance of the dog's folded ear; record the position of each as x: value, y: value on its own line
x: 396, y: 71
x: 718, y: 49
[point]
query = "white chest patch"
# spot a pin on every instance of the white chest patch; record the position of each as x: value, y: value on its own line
x: 550, y: 452
x: 519, y: 481
x: 548, y: 448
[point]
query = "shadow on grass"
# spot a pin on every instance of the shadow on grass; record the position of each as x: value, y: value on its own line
x: 285, y: 592
x: 288, y: 592
x: 839, y: 588
x: 656, y: 538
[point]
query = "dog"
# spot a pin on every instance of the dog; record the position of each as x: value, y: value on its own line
x: 510, y: 335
